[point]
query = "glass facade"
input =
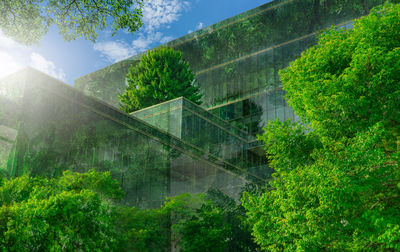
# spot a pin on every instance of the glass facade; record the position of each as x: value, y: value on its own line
x: 106, y: 84
x: 166, y: 116
x: 236, y: 61
x: 11, y: 97
x: 198, y: 127
x: 49, y: 127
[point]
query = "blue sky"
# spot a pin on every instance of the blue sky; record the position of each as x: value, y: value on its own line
x: 164, y: 20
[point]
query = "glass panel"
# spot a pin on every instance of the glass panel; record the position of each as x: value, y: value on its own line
x: 60, y: 129
x: 238, y: 59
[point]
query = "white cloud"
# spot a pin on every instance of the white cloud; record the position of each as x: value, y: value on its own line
x: 156, y: 14
x: 166, y: 39
x: 160, y: 12
x: 7, y: 43
x: 14, y: 57
x: 199, y: 26
x: 9, y: 60
x: 141, y: 44
x: 8, y: 64
x: 145, y: 40
x: 46, y: 66
x: 114, y: 50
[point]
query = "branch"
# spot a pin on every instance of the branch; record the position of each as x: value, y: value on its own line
x: 69, y: 6
x: 79, y: 9
x: 14, y: 21
x: 105, y: 10
x: 384, y: 199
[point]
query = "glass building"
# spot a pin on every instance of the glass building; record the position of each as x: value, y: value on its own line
x: 236, y: 61
x: 47, y: 126
x: 198, y: 127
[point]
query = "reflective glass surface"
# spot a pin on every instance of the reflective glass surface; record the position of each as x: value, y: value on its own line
x: 55, y: 127
x: 236, y: 61
x: 200, y: 128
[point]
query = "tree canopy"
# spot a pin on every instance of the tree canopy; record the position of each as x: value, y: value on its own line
x: 349, y: 81
x: 72, y: 212
x: 81, y: 211
x: 27, y: 21
x: 190, y: 222
x: 336, y: 185
x: 161, y: 75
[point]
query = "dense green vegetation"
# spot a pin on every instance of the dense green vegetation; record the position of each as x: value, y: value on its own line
x: 336, y: 186
x: 199, y: 222
x: 218, y: 225
x: 80, y: 211
x: 72, y: 212
x: 161, y: 75
x: 27, y: 21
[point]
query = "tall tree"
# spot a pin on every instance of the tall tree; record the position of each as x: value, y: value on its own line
x: 337, y: 185
x: 27, y: 21
x: 161, y: 75
x: 349, y: 81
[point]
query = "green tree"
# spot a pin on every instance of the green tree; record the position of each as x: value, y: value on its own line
x: 220, y: 224
x: 157, y: 229
x: 349, y: 81
x: 27, y: 21
x: 289, y: 144
x: 336, y: 187
x: 161, y: 75
x: 188, y: 222
x: 205, y: 231
x: 73, y: 212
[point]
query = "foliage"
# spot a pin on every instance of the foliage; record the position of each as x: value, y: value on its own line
x: 27, y: 21
x: 150, y: 229
x: 289, y: 144
x: 73, y: 212
x: 161, y: 75
x: 349, y: 81
x: 205, y: 231
x: 337, y: 185
x: 218, y: 225
x: 144, y: 230
x: 347, y: 199
x: 197, y: 222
